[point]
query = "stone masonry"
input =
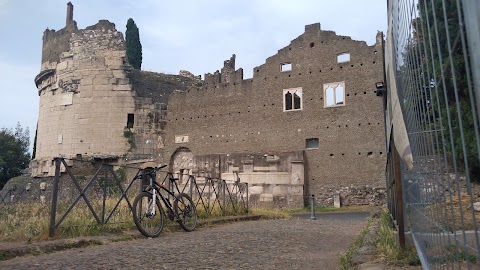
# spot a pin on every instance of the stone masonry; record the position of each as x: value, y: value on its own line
x: 310, y: 121
x: 232, y: 115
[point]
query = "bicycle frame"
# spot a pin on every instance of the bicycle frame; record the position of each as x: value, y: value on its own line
x: 157, y: 188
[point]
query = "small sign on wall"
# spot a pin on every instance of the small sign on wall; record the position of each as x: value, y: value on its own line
x: 181, y: 138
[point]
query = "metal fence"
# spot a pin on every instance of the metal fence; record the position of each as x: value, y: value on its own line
x: 433, y: 70
x: 92, y: 193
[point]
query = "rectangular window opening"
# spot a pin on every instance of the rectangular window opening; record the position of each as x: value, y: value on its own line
x: 292, y: 99
x: 286, y: 67
x: 334, y: 94
x: 130, y: 120
x: 312, y: 143
x: 343, y: 57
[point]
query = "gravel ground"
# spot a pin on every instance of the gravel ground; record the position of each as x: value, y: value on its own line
x: 298, y: 243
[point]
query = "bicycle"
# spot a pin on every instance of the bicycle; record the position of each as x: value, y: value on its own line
x: 148, y: 214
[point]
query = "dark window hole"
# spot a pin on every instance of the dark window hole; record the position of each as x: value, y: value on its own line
x: 331, y: 155
x: 369, y: 153
x: 312, y: 44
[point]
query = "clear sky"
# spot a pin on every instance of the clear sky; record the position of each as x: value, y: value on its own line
x: 193, y: 35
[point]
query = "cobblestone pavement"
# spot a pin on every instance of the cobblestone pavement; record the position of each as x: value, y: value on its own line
x: 264, y: 244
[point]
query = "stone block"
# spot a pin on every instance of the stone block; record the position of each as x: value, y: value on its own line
x: 279, y: 191
x: 476, y: 206
x: 43, y: 185
x: 295, y: 190
x: 115, y: 62
x: 255, y: 190
x: 118, y: 74
x: 86, y: 81
x: 99, y: 80
x: 62, y: 66
x: 266, y: 197
x: 336, y: 200
x: 122, y: 87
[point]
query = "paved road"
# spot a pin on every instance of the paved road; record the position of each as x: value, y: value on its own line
x: 346, y: 216
x: 265, y: 244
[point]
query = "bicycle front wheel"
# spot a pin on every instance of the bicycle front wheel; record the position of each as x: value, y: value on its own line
x: 185, y: 211
x: 148, y: 217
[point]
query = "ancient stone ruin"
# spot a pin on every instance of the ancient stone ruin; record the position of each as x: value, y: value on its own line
x: 310, y: 121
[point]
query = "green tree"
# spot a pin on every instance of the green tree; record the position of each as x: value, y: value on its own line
x: 14, y: 156
x: 134, y: 47
x: 459, y: 89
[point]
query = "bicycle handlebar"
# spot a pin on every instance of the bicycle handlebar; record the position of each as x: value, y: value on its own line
x: 154, y: 169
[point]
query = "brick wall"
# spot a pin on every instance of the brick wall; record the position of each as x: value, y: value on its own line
x: 249, y: 116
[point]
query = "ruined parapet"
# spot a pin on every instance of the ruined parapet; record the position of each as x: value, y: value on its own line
x: 86, y: 99
x: 227, y: 75
x: 228, y: 70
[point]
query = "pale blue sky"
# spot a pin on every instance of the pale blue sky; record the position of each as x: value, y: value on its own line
x: 194, y: 35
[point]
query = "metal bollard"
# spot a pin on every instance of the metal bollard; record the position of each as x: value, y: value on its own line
x: 312, y: 206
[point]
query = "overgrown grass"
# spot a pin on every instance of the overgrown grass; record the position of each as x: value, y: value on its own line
x: 31, y: 221
x: 346, y: 257
x: 388, y: 248
x: 271, y: 213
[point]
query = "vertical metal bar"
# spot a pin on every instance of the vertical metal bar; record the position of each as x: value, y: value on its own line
x: 399, y: 197
x: 224, y: 184
x: 248, y: 205
x: 105, y: 180
x: 53, y: 210
x: 312, y: 207
x: 191, y: 186
x: 471, y: 11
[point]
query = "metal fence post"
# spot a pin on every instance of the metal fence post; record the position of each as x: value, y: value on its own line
x: 224, y: 184
x: 191, y: 178
x: 248, y: 205
x: 399, y: 196
x: 105, y: 181
x: 471, y: 11
x: 53, y: 210
x: 312, y: 207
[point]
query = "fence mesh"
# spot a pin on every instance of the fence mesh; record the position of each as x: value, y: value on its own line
x: 435, y: 54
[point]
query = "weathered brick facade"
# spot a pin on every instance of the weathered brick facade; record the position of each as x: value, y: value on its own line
x: 308, y: 122
x: 236, y: 115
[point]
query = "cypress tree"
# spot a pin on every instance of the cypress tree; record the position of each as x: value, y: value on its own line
x: 134, y: 47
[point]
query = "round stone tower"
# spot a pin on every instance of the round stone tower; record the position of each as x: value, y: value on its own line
x: 86, y: 100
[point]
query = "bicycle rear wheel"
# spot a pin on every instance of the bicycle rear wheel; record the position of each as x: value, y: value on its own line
x: 185, y: 211
x: 148, y: 217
